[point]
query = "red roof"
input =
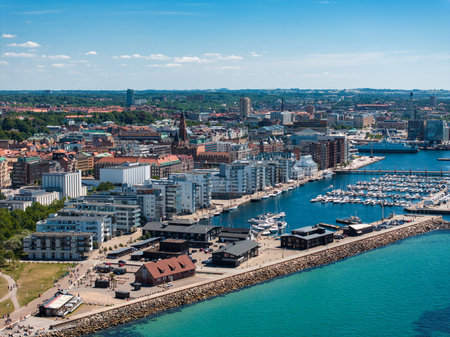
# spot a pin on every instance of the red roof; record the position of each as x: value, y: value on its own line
x: 168, y: 267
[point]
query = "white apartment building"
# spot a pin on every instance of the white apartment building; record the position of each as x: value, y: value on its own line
x: 99, y: 225
x: 40, y: 196
x: 308, y: 165
x: 71, y: 246
x: 68, y: 184
x: 128, y: 173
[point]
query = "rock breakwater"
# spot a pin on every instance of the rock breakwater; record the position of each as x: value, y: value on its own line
x: 151, y: 306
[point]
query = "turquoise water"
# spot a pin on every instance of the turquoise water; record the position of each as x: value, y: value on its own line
x: 398, y: 290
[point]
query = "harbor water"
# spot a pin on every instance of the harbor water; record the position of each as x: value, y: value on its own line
x: 399, y: 290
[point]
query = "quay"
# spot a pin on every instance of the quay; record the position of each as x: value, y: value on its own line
x: 440, y: 173
x: 233, y: 280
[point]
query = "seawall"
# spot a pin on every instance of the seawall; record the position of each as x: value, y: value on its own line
x: 132, y: 311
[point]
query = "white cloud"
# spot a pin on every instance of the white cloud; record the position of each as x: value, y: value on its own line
x: 79, y: 61
x: 230, y: 57
x: 28, y: 44
x: 92, y: 52
x: 4, y: 63
x: 58, y: 57
x: 190, y: 59
x: 255, y: 54
x: 212, y: 54
x: 61, y: 65
x: 122, y: 57
x: 23, y: 55
x: 159, y: 57
x: 173, y: 65
x: 8, y: 36
x: 167, y: 65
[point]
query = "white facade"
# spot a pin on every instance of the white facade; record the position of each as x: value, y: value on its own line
x: 308, y: 165
x: 68, y: 184
x: 100, y: 225
x: 131, y: 174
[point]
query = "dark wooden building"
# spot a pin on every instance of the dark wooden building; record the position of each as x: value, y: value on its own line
x: 235, y: 253
x: 167, y: 249
x: 162, y: 271
x: 234, y: 234
x: 196, y: 235
x: 358, y: 229
x: 307, y: 237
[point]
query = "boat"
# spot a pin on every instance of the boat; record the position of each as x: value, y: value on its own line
x: 266, y: 233
x: 266, y: 196
x: 349, y: 221
x: 274, y: 229
x: 387, y: 146
x: 233, y: 207
x: 281, y: 225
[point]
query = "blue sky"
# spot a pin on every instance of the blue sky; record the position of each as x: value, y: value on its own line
x: 183, y: 44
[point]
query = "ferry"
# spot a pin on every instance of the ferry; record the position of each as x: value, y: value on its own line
x: 386, y: 146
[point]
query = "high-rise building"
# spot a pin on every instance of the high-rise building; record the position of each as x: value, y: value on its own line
x: 412, y: 112
x: 130, y: 97
x: 436, y: 131
x: 28, y: 171
x: 245, y: 106
x: 68, y: 184
x: 416, y: 130
x: 433, y: 101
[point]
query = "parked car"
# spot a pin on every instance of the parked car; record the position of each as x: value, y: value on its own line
x: 122, y: 261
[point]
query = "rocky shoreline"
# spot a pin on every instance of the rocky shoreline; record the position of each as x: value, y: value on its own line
x: 147, y: 307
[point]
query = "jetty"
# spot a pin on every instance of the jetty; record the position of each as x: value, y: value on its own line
x: 230, y: 281
x: 440, y: 173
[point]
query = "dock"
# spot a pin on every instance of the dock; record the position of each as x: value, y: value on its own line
x: 426, y: 173
x: 329, y: 226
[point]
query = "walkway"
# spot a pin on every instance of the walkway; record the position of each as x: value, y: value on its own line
x: 12, y: 293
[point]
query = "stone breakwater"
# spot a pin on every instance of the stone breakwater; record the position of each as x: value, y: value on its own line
x: 147, y: 307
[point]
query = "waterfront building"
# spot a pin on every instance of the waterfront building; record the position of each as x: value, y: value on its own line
x: 436, y: 131
x: 307, y: 237
x: 125, y: 214
x: 167, y: 248
x: 416, y: 129
x: 163, y: 271
x: 358, y: 229
x: 197, y: 235
x: 307, y: 164
x: 229, y: 234
x: 67, y: 184
x: 69, y: 246
x: 235, y: 253
x: 197, y: 185
x: 99, y: 224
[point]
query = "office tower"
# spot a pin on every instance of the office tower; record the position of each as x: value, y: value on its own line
x: 130, y: 97
x: 433, y: 101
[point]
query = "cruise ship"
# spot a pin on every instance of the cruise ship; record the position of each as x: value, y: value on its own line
x: 386, y: 146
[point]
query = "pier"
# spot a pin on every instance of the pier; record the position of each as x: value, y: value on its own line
x: 426, y: 173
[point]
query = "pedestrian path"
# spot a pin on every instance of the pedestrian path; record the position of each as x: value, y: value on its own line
x: 12, y: 291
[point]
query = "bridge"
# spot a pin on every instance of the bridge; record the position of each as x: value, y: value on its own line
x: 426, y: 173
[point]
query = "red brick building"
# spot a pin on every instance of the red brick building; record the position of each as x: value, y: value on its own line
x: 167, y: 270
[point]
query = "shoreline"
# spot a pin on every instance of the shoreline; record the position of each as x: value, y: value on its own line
x: 156, y: 304
x: 221, y: 205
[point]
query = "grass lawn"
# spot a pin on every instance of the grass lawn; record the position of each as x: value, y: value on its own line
x: 6, y: 307
x: 3, y: 287
x: 34, y: 278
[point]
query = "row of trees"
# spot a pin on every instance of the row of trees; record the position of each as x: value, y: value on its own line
x: 17, y: 224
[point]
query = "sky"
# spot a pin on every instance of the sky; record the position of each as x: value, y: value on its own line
x: 235, y: 44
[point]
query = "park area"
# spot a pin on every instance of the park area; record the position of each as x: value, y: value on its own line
x: 32, y: 279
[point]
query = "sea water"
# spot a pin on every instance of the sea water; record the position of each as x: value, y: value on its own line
x: 398, y: 290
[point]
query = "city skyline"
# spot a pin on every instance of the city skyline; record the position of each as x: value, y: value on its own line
x: 210, y: 44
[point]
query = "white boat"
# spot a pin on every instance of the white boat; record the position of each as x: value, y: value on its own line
x: 233, y: 207
x: 266, y: 233
x: 265, y: 196
x: 281, y: 225
x: 274, y: 229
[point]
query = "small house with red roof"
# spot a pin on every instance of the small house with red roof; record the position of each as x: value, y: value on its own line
x: 166, y: 270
